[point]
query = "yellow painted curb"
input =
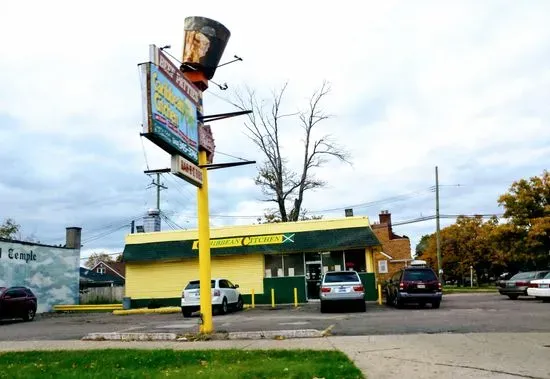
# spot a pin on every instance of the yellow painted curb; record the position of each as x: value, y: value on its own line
x: 143, y: 311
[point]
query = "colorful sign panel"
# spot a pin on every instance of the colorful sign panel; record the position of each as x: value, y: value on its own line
x: 170, y: 116
x: 186, y: 170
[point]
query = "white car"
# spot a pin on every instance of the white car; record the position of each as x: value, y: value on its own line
x: 225, y: 295
x: 340, y: 287
x: 540, y: 288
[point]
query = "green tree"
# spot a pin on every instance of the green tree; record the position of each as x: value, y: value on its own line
x: 95, y: 258
x: 9, y: 229
x: 468, y: 242
x: 422, y: 245
x: 527, y: 234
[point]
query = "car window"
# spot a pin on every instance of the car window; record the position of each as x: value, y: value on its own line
x: 231, y: 285
x: 224, y: 284
x: 542, y: 274
x: 29, y: 292
x: 195, y: 285
x: 412, y: 275
x: 16, y: 293
x: 337, y: 277
x: 523, y: 275
x: 546, y: 277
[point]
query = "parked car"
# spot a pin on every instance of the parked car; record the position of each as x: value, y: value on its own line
x: 414, y: 284
x: 540, y: 288
x: 518, y: 284
x: 17, y: 302
x: 225, y: 295
x: 341, y: 287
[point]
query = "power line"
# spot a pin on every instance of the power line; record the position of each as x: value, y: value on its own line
x: 232, y: 156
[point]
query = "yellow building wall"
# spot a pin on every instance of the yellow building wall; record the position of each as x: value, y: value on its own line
x: 157, y: 280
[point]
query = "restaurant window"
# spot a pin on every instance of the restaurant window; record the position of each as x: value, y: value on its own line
x: 293, y: 264
x: 333, y: 261
x: 355, y: 260
x: 274, y: 266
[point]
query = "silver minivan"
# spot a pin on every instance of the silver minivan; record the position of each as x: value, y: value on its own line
x: 341, y: 287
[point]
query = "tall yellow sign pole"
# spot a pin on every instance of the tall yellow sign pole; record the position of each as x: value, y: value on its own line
x: 207, y: 325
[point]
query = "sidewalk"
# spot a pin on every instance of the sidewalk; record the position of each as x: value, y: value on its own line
x: 423, y: 356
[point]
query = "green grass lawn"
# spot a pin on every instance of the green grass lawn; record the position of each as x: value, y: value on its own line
x: 216, y: 364
x: 455, y: 289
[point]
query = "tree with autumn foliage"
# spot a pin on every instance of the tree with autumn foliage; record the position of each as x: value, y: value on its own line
x: 468, y: 242
x: 526, y: 235
x: 521, y: 242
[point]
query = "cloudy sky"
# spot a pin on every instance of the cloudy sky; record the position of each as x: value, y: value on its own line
x: 463, y: 85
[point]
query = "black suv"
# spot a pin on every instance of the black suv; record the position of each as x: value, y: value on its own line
x: 17, y: 302
x: 418, y: 284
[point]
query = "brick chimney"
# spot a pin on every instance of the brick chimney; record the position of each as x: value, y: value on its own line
x: 73, y: 237
x: 385, y: 219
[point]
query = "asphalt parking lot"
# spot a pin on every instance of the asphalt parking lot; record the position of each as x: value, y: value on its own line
x: 460, y: 313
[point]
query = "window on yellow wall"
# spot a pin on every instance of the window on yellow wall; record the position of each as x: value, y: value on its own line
x: 293, y: 265
x: 273, y: 266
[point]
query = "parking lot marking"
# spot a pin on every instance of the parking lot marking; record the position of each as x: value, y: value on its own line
x: 294, y: 323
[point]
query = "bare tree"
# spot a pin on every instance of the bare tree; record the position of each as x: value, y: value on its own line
x: 279, y: 183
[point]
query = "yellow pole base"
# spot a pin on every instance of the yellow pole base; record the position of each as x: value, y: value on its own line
x: 253, y: 299
x: 295, y: 297
x: 273, y: 298
x: 380, y: 294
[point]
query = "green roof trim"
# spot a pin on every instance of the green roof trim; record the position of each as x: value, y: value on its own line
x: 311, y: 241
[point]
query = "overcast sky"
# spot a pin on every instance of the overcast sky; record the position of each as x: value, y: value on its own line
x: 463, y: 85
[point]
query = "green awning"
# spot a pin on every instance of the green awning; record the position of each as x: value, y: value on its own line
x: 311, y: 241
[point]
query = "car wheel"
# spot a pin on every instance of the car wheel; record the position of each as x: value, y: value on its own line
x: 362, y: 306
x: 223, y: 307
x: 186, y: 313
x: 422, y: 305
x: 323, y: 307
x: 513, y: 297
x: 397, y: 303
x: 29, y: 316
x: 436, y: 304
x: 240, y: 304
x: 388, y: 299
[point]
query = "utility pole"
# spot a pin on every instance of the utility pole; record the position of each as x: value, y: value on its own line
x: 157, y: 183
x: 437, y: 237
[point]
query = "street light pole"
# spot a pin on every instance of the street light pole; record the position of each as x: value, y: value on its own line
x: 437, y: 236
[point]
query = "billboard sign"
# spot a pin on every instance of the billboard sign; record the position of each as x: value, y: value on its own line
x: 186, y: 170
x: 170, y: 117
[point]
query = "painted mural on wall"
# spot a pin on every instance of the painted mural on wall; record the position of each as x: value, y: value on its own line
x: 52, y: 273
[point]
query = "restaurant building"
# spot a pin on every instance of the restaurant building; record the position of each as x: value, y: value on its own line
x: 279, y: 256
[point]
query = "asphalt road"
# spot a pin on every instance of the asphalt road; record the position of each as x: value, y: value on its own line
x: 462, y: 313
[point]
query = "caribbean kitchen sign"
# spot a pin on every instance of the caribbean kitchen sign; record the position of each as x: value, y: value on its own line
x: 270, y: 239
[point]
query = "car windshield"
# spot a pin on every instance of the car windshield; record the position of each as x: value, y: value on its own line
x: 413, y: 275
x: 195, y: 285
x: 523, y: 275
x: 338, y: 277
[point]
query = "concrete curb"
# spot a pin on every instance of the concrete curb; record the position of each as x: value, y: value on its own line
x: 143, y: 311
x: 130, y: 337
x: 256, y: 335
x: 275, y: 334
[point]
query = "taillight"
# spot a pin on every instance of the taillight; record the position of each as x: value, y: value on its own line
x: 401, y: 285
x: 533, y: 285
x: 325, y: 289
x: 182, y: 294
x: 217, y: 293
x: 522, y: 284
x: 358, y: 288
x: 439, y: 285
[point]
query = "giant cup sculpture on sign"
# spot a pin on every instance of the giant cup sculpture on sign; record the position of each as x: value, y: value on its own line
x: 205, y: 41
